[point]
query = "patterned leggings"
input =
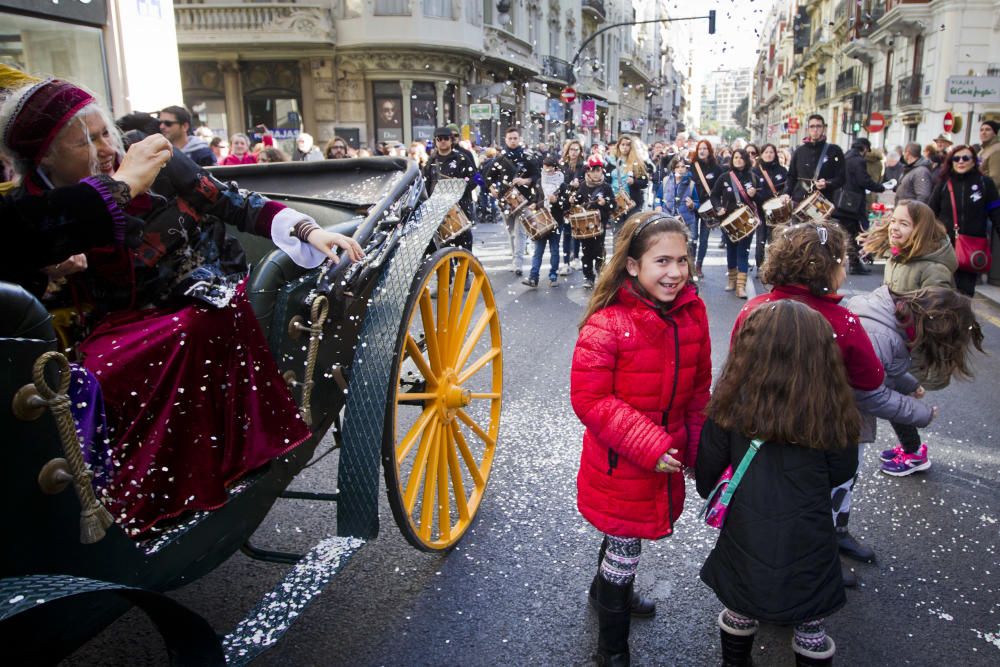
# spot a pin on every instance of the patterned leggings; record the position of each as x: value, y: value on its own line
x: 810, y: 636
x: 620, y: 559
x: 842, y: 495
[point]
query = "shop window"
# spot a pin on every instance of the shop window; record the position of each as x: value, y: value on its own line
x: 275, y: 113
x: 64, y: 50
x: 210, y: 113
x: 388, y: 99
x: 423, y: 110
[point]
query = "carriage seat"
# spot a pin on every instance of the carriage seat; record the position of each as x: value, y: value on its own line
x: 275, y: 271
x: 22, y: 315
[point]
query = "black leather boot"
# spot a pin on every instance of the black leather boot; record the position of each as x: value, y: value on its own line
x: 640, y: 607
x: 851, y: 548
x: 613, y: 620
x: 737, y: 645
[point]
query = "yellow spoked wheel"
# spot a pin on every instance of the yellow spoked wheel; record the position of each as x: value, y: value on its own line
x: 439, y: 448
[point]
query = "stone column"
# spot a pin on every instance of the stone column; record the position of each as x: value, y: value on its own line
x: 406, y: 86
x: 307, y: 83
x: 235, y: 118
x: 440, y: 87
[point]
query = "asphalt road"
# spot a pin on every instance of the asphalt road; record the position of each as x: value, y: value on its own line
x: 513, y: 592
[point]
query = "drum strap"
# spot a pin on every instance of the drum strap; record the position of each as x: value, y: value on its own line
x: 770, y: 184
x: 701, y: 176
x: 819, y: 162
x: 743, y: 193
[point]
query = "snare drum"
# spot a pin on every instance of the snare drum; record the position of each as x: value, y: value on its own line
x: 453, y: 224
x: 740, y: 224
x: 623, y: 203
x: 814, y: 208
x: 584, y: 224
x: 707, y: 214
x: 778, y: 211
x: 511, y: 203
x: 538, y: 222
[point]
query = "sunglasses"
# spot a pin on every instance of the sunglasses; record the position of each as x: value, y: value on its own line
x: 962, y: 158
x: 169, y: 123
x: 447, y: 138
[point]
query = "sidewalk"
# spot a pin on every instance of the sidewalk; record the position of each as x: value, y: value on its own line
x: 990, y: 293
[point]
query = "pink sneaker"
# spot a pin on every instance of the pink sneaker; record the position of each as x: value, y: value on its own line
x: 890, y: 454
x: 906, y: 464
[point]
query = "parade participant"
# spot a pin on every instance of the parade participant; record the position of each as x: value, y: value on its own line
x: 629, y: 174
x: 775, y: 560
x: 966, y: 202
x: 850, y: 203
x: 446, y: 162
x: 816, y: 164
x: 754, y: 154
x: 916, y: 182
x: 239, y: 151
x: 680, y: 199
x: 417, y: 153
x: 773, y: 179
x: 305, y: 149
x: 594, y: 194
x: 554, y: 190
x: 174, y: 335
x: 574, y: 168
x: 737, y: 187
x: 641, y: 372
x: 935, y: 325
x: 806, y: 262
x: 706, y: 173
x: 524, y: 176
x: 175, y: 124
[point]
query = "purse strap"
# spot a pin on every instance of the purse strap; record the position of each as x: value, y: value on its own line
x: 954, y: 209
x: 742, y: 468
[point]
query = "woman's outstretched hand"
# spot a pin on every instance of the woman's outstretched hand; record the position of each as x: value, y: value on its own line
x: 143, y: 162
x: 325, y: 242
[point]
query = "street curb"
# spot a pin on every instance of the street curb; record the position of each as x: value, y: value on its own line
x: 989, y: 292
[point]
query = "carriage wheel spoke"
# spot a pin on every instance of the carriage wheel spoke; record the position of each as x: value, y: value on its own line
x: 478, y: 364
x: 485, y: 394
x: 470, y: 307
x: 413, y: 351
x: 470, y: 460
x: 430, y: 334
x: 456, y: 476
x: 473, y: 339
x: 443, y: 504
x: 444, y: 301
x: 458, y: 290
x: 406, y: 444
x: 430, y: 483
x: 419, y: 464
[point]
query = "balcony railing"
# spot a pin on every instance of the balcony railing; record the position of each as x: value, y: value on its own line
x: 271, y: 23
x: 556, y: 68
x: 847, y: 80
x: 909, y: 90
x: 821, y: 94
x: 595, y: 8
x: 882, y: 98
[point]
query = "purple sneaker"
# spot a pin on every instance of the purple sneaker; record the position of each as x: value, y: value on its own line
x: 890, y: 454
x: 905, y: 464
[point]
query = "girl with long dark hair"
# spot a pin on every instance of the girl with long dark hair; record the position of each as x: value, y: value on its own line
x: 735, y: 188
x: 705, y: 171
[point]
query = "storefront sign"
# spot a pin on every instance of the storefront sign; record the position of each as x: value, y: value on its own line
x: 94, y: 12
x: 588, y: 113
x: 480, y: 111
x: 973, y: 89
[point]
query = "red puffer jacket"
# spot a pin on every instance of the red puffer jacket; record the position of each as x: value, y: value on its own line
x: 635, y: 368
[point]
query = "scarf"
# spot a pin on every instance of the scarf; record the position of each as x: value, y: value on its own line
x: 550, y: 184
x: 594, y: 178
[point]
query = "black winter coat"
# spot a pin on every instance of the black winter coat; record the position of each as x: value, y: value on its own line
x: 776, y: 558
x: 586, y: 197
x: 778, y: 176
x: 711, y: 172
x: 802, y: 169
x: 724, y: 195
x: 857, y: 181
x: 976, y: 199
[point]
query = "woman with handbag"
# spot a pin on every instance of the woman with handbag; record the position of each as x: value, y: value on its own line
x: 850, y: 201
x: 966, y: 202
x: 776, y: 557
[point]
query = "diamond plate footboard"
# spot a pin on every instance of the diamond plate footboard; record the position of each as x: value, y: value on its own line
x: 373, y: 371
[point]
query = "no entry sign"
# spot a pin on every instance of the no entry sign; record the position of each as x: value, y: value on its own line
x: 949, y: 122
x: 876, y: 122
x: 568, y: 95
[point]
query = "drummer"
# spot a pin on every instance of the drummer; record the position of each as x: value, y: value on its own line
x: 816, y: 164
x: 735, y: 188
x: 594, y: 194
x: 447, y: 162
x: 706, y: 171
x: 773, y: 179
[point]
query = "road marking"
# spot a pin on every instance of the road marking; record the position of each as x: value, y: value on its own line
x: 981, y: 311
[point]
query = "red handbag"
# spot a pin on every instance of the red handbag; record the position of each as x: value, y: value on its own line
x: 972, y: 252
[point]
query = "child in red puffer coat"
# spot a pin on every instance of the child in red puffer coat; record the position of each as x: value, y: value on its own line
x: 641, y: 374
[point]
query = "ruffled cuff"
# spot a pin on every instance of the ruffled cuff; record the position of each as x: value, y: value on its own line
x: 283, y: 235
x: 102, y: 185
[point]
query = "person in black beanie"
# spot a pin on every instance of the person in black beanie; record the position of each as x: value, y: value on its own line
x: 850, y: 211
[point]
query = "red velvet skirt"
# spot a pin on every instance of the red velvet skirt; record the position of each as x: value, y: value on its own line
x: 194, y: 401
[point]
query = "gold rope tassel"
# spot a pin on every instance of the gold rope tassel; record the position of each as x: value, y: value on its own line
x: 94, y: 517
x: 318, y: 313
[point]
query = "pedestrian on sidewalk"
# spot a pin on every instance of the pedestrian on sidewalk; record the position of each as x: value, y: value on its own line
x: 641, y: 373
x: 776, y: 558
x: 594, y: 194
x: 806, y: 262
x: 935, y: 325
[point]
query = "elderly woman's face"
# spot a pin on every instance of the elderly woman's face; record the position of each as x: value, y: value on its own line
x: 75, y: 149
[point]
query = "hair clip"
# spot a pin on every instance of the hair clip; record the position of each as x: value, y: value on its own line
x: 823, y: 234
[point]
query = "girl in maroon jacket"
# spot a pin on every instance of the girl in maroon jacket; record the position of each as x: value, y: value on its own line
x: 640, y: 379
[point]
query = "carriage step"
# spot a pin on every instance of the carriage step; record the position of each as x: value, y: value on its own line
x: 263, y: 626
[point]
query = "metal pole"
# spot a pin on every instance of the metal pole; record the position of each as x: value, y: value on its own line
x: 968, y: 125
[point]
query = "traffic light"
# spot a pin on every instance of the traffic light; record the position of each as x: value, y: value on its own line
x: 711, y: 22
x: 855, y: 127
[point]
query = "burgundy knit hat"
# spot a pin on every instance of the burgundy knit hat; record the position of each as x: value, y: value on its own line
x: 41, y: 113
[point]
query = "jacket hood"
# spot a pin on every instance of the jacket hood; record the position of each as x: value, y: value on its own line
x: 945, y: 254
x: 195, y: 143
x: 877, y: 306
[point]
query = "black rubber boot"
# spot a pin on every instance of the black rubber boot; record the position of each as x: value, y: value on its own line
x: 737, y: 645
x: 804, y: 658
x: 613, y: 620
x: 640, y: 607
x: 851, y: 548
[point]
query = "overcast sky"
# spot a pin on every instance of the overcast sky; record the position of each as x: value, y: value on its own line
x: 737, y: 34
